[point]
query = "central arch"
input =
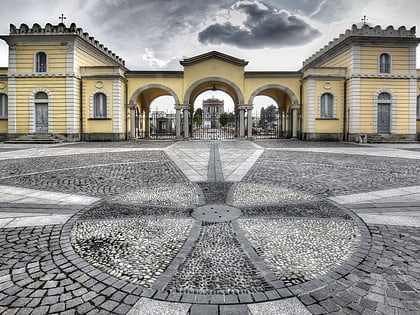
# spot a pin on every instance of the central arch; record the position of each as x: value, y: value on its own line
x: 206, y: 84
x: 220, y: 84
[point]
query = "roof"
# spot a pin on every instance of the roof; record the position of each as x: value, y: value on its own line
x: 211, y: 55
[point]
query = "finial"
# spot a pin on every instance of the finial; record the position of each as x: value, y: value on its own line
x: 364, y: 19
x: 62, y: 18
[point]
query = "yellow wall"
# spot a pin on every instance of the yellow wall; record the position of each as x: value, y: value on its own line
x: 100, y: 125
x: 336, y: 88
x: 56, y: 58
x: 368, y: 90
x: 84, y: 59
x: 25, y: 87
x: 342, y: 60
x: 400, y: 59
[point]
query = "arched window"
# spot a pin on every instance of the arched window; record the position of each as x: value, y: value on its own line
x: 99, y: 105
x: 418, y: 107
x: 385, y: 63
x: 41, y: 62
x: 3, y: 106
x: 327, y: 105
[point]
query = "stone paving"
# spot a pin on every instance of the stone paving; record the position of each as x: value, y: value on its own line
x: 219, y: 227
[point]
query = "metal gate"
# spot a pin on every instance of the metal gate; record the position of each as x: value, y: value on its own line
x: 156, y: 125
x: 205, y: 133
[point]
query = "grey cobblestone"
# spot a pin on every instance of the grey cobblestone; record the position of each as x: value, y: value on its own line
x: 39, y: 273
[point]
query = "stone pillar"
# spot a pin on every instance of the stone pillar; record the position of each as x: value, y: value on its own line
x: 132, y: 121
x: 294, y: 110
x: 147, y: 125
x: 249, y: 113
x: 178, y: 109
x: 186, y: 122
x: 241, y: 121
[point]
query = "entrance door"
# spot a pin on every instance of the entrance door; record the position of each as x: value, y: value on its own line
x: 384, y: 118
x: 41, y: 113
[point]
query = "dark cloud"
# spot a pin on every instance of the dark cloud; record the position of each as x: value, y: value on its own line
x: 263, y: 27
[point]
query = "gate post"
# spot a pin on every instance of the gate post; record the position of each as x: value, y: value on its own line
x: 178, y: 108
x: 241, y: 108
x: 249, y: 113
x: 132, y: 121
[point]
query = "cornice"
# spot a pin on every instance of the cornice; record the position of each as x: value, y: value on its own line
x: 155, y: 74
x: 216, y: 55
x: 273, y: 74
x: 44, y: 75
x: 380, y: 76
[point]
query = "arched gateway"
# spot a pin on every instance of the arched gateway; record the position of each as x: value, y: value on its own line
x: 213, y: 71
x: 337, y: 94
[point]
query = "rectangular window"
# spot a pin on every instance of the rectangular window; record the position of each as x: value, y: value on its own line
x: 3, y: 106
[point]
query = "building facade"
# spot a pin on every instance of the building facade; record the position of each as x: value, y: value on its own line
x: 362, y: 86
x: 212, y: 109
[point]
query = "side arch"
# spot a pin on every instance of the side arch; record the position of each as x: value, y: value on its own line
x: 283, y: 88
x: 144, y: 88
x: 233, y: 86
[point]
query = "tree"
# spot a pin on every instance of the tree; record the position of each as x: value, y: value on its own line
x: 270, y: 113
x: 224, y: 118
x: 198, y: 116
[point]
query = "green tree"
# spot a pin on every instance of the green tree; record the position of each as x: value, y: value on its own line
x: 198, y: 116
x: 270, y: 113
x: 224, y: 118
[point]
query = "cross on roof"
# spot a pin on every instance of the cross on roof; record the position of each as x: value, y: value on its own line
x: 62, y: 18
x: 364, y: 19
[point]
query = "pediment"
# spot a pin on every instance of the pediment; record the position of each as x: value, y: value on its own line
x: 213, y: 55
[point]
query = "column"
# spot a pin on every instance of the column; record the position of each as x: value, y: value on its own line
x: 186, y: 121
x: 147, y: 125
x: 178, y: 121
x: 132, y: 121
x: 241, y: 122
x: 249, y: 113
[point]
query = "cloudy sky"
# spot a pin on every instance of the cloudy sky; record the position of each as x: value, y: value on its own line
x: 156, y: 34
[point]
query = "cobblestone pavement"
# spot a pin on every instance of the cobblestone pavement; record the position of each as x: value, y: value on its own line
x: 299, y: 228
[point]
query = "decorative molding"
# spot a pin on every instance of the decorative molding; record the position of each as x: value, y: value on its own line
x: 310, y: 105
x: 11, y: 103
x: 72, y: 108
x: 412, y: 111
x: 381, y: 76
x: 44, y: 75
x: 117, y: 107
x: 354, y: 105
x: 99, y: 84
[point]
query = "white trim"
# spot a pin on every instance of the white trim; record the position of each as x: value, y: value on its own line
x: 32, y: 118
x: 393, y: 110
x: 12, y: 59
x: 107, y: 104
x: 6, y: 105
x: 117, y: 106
x: 412, y: 111
x: 11, y: 121
x: 413, y: 61
x: 355, y: 59
x: 72, y: 109
x: 354, y: 105
x: 310, y: 105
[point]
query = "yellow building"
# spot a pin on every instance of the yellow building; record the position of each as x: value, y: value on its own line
x: 362, y: 86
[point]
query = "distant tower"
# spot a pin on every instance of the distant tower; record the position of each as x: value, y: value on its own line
x: 212, y: 108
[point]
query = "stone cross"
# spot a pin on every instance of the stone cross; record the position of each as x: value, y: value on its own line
x: 62, y: 18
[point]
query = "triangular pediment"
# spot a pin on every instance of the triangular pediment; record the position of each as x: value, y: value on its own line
x: 213, y: 55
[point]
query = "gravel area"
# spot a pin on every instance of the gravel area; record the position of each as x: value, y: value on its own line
x: 298, y: 250
x: 176, y: 194
x: 248, y: 194
x: 217, y: 265
x: 134, y: 250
